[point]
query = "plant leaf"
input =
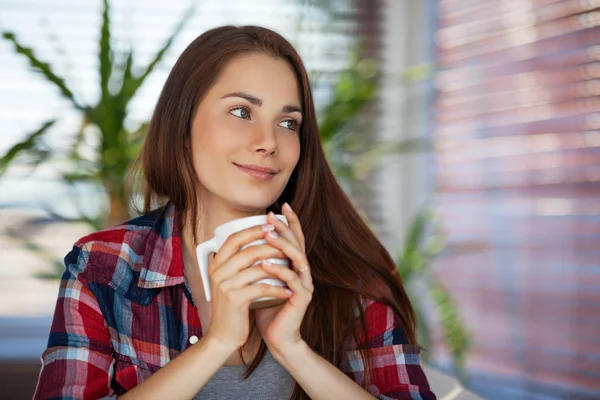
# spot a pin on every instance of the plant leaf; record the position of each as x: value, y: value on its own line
x: 42, y: 67
x: 354, y: 88
x: 127, y: 71
x: 351, y: 94
x: 418, y: 73
x: 79, y: 138
x: 456, y: 337
x: 38, y: 156
x: 132, y: 84
x: 57, y: 264
x: 167, y: 45
x: 139, y: 134
x: 368, y: 160
x: 410, y: 262
x: 95, y: 223
x: 406, y: 145
x: 423, y: 329
x: 28, y: 145
x: 105, y: 51
x: 73, y: 177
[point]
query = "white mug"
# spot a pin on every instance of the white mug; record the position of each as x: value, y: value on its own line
x: 221, y: 233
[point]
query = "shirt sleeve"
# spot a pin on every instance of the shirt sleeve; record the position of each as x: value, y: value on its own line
x: 395, y: 370
x: 78, y: 362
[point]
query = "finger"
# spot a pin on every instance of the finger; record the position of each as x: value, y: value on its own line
x: 283, y: 229
x: 244, y: 259
x: 237, y: 240
x: 297, y: 256
x: 294, y: 224
x: 291, y: 278
x: 253, y: 292
x: 245, y: 278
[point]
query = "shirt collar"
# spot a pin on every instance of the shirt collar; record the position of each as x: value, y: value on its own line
x: 163, y: 260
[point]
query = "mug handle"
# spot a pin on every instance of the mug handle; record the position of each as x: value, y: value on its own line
x: 203, y: 250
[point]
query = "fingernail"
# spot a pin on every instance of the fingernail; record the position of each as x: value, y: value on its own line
x: 267, y: 264
x: 274, y: 234
x: 288, y: 292
x: 268, y: 228
x: 287, y: 207
x: 272, y: 214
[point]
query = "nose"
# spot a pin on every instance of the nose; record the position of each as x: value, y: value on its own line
x: 264, y: 140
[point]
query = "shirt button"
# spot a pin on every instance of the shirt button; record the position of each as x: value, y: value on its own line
x: 193, y: 339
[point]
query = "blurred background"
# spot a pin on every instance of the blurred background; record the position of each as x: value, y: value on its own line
x: 466, y: 131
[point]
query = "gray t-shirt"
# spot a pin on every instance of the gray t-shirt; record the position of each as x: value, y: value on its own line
x: 270, y: 381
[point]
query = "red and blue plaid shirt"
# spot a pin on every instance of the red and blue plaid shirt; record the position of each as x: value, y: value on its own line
x: 124, y: 310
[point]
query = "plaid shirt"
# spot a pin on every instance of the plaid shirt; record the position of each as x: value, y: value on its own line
x: 124, y: 310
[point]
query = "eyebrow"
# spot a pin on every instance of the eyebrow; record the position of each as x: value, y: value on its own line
x: 288, y: 108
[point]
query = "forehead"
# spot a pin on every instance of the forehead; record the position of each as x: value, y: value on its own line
x: 264, y: 76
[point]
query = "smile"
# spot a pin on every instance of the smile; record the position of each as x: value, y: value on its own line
x: 258, y: 172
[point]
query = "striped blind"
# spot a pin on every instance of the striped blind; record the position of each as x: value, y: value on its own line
x: 518, y: 187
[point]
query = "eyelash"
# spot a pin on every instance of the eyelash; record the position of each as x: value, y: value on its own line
x: 294, y: 120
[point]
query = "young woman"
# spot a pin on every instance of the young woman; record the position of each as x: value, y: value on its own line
x: 234, y: 134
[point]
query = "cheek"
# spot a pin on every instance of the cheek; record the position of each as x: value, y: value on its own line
x: 206, y: 152
x: 291, y: 149
x: 217, y: 136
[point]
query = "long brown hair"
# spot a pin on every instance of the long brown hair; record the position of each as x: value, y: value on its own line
x: 348, y: 263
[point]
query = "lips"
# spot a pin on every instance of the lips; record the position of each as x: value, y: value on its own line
x: 258, y: 168
x: 258, y: 171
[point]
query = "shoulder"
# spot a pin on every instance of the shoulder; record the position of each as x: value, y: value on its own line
x: 122, y: 247
x: 384, y: 326
x: 391, y: 368
x: 129, y: 232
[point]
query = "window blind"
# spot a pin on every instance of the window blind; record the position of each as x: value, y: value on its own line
x: 517, y: 173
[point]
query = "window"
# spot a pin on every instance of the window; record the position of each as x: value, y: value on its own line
x: 518, y: 171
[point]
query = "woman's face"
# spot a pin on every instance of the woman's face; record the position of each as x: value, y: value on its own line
x: 249, y: 120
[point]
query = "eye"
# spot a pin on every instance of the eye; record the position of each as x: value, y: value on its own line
x: 291, y: 124
x: 240, y: 112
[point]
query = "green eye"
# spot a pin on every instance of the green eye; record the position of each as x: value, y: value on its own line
x: 240, y: 112
x: 290, y: 124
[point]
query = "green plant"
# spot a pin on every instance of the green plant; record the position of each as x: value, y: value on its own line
x: 117, y: 146
x: 423, y: 243
x: 343, y: 139
x: 352, y: 162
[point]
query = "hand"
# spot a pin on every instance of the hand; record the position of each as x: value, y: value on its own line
x: 280, y: 325
x: 232, y: 285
